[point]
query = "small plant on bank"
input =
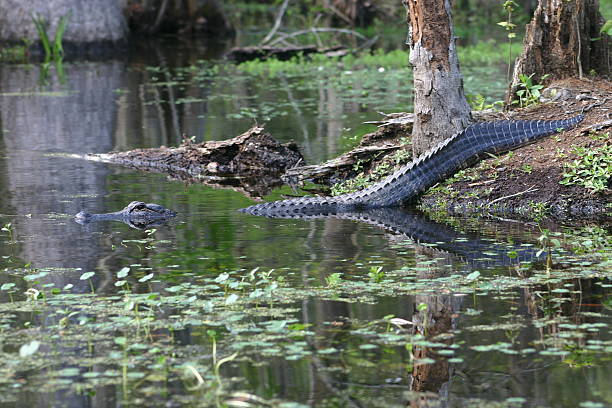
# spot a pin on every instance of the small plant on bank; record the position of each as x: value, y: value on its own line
x: 15, y: 53
x: 478, y: 103
x: 529, y: 94
x: 592, y: 170
x: 387, y: 166
x: 539, y: 210
x: 53, y: 51
x: 8, y: 228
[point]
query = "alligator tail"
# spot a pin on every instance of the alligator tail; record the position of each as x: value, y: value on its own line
x: 455, y: 153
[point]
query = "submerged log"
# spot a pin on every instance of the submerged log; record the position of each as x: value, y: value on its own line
x: 251, y: 163
x: 243, y: 54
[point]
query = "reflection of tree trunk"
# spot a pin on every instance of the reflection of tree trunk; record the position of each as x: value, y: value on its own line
x: 559, y: 41
x: 80, y: 120
x: 435, y: 319
x: 153, y: 16
x: 353, y: 12
x: 429, y: 377
x: 440, y: 106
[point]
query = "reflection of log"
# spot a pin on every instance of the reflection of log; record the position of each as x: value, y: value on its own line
x: 253, y: 161
x: 243, y: 54
x: 430, y: 377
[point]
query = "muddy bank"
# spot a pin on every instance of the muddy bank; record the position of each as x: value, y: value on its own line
x: 527, y: 182
x: 524, y: 183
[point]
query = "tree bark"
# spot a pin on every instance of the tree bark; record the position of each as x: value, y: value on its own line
x: 90, y: 21
x: 559, y: 42
x: 440, y: 106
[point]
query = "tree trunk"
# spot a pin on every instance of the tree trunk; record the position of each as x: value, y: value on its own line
x: 440, y: 106
x: 559, y: 42
x: 178, y: 16
x: 90, y: 21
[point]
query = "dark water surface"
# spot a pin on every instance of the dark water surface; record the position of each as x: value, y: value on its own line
x: 490, y: 320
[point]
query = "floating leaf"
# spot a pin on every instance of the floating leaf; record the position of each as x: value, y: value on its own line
x: 231, y: 299
x: 123, y: 272
x: 87, y: 275
x: 146, y: 278
x: 28, y: 349
x: 473, y: 276
x: 7, y: 286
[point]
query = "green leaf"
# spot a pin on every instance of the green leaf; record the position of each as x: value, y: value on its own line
x: 87, y: 275
x: 222, y: 277
x: 473, y: 276
x: 146, y: 278
x: 231, y: 299
x: 28, y: 349
x: 607, y: 28
x: 7, y: 286
x: 123, y: 272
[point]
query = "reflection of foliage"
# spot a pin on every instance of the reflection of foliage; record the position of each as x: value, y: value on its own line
x: 253, y: 313
x: 588, y: 239
x: 579, y: 357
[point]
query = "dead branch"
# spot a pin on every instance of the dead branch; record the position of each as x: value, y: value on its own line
x: 313, y: 30
x: 529, y: 190
x: 277, y: 22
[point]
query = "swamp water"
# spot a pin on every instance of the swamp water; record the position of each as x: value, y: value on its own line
x: 218, y: 308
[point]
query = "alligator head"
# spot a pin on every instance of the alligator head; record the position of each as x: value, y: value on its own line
x: 136, y: 214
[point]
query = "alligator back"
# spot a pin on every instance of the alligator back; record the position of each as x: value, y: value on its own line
x: 455, y: 153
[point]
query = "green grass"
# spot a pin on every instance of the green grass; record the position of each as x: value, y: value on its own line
x: 483, y: 53
x: 592, y: 170
x: 15, y: 53
x: 53, y: 50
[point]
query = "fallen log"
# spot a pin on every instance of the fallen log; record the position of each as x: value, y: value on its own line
x: 251, y: 163
x: 243, y: 54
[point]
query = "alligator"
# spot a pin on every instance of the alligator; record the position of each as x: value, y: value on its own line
x: 136, y: 214
x: 460, y: 151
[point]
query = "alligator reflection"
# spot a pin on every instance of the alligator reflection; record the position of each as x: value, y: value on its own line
x: 435, y: 316
x: 136, y: 223
x: 476, y: 251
